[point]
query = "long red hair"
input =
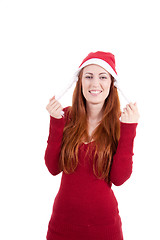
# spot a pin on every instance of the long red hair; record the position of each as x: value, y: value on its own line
x: 105, y: 136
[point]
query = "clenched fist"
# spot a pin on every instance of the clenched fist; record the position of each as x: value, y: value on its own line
x: 54, y: 108
x: 130, y: 114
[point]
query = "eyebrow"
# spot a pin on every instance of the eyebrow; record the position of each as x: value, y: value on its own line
x: 89, y: 73
x: 103, y: 73
x: 99, y: 74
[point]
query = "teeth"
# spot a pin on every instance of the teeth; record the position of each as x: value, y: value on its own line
x: 95, y: 91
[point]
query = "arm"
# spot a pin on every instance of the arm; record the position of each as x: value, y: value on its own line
x: 53, y: 149
x: 57, y: 123
x: 121, y: 167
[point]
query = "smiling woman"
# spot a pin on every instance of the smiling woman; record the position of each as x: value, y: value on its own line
x: 85, y: 206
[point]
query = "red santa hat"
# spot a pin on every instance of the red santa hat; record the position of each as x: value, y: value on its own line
x: 105, y: 60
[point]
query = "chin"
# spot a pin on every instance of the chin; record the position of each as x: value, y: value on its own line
x: 96, y: 101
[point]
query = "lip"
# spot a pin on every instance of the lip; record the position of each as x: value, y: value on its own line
x: 95, y: 92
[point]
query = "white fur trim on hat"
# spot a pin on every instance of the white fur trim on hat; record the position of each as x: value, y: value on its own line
x: 101, y: 63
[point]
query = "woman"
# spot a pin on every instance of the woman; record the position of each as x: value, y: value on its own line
x: 94, y: 149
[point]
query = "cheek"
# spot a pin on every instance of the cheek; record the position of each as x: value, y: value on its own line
x: 83, y: 88
x: 107, y: 89
x: 107, y: 86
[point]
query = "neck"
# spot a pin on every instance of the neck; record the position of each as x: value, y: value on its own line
x: 94, y: 112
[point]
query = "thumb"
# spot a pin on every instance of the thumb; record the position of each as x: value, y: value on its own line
x: 52, y: 98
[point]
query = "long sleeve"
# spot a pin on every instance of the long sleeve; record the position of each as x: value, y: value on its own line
x: 121, y: 168
x: 54, y: 141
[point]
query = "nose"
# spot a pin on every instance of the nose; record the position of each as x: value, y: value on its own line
x: 95, y: 82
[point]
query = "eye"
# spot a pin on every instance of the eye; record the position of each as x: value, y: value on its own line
x: 103, y: 77
x: 88, y: 77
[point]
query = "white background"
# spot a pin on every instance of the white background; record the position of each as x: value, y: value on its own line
x: 41, y: 45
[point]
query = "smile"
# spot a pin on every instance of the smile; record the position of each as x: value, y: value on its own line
x: 95, y: 92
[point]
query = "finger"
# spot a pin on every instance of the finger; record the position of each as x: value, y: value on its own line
x: 129, y: 109
x: 48, y: 106
x: 55, y: 105
x: 125, y: 111
x: 52, y: 98
x: 52, y: 102
x: 58, y: 106
x: 52, y: 105
x: 122, y: 114
x: 133, y: 106
x: 59, y: 109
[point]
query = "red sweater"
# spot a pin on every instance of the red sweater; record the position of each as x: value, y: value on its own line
x: 85, y: 206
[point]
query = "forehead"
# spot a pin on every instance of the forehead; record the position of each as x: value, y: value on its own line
x: 93, y: 68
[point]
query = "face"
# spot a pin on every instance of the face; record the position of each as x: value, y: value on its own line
x: 96, y: 82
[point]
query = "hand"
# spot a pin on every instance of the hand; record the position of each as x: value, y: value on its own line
x: 54, y: 108
x: 130, y: 114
